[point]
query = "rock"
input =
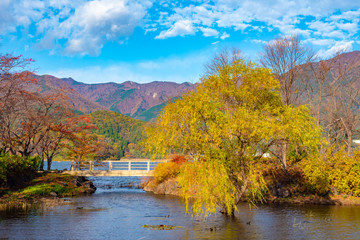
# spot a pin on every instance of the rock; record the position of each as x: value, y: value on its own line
x: 89, y: 187
x: 280, y: 192
x: 53, y: 194
x: 81, y: 181
x: 168, y: 187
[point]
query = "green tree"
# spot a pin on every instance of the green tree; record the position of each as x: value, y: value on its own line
x: 225, y: 125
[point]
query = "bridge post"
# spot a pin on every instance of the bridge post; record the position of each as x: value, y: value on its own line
x: 148, y: 166
x: 129, y: 165
x: 110, y: 165
x: 91, y: 165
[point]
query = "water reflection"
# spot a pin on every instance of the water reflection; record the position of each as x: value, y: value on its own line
x: 114, y: 212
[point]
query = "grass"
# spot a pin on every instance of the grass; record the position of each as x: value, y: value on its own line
x: 47, y: 185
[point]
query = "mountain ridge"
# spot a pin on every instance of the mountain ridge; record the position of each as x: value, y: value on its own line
x: 144, y: 101
x: 128, y: 98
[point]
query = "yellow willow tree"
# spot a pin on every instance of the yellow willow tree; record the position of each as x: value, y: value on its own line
x: 225, y: 125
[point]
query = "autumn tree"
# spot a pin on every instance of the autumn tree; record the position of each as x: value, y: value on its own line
x: 287, y: 57
x: 14, y: 76
x: 225, y: 125
x: 60, y: 126
x: 337, y: 98
x: 31, y: 121
x: 317, y: 78
x: 84, y: 145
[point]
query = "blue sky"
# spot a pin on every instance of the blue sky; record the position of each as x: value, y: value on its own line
x: 142, y: 41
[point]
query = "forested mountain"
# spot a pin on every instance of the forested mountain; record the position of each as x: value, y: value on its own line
x: 141, y: 101
x: 130, y: 98
x: 77, y: 101
x: 117, y: 127
x: 119, y: 131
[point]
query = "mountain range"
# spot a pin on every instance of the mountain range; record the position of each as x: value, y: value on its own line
x: 145, y: 101
x: 140, y: 101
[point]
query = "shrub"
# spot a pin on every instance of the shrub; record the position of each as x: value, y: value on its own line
x: 317, y: 175
x: 15, y: 170
x: 170, y: 169
x: 345, y: 172
x: 334, y: 168
x: 164, y: 171
x: 294, y: 180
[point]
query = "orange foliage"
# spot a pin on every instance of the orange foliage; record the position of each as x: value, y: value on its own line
x: 170, y: 169
x: 179, y: 159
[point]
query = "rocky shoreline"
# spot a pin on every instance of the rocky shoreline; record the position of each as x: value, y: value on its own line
x: 46, y: 191
x: 277, y: 196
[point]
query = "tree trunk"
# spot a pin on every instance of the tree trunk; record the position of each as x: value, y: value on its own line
x: 238, y: 196
x: 283, y: 157
x: 349, y: 142
x: 49, y: 162
x: 42, y: 164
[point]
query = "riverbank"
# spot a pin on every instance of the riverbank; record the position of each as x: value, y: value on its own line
x: 170, y: 187
x: 46, y: 190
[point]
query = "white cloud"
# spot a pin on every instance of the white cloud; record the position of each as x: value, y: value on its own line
x: 320, y: 42
x: 258, y: 41
x: 84, y: 25
x: 334, y: 34
x: 340, y: 46
x: 209, y: 32
x: 286, y: 16
x: 180, y: 28
x: 224, y: 36
x: 348, y: 15
x: 321, y: 26
x: 5, y: 16
x: 352, y: 27
x: 99, y: 21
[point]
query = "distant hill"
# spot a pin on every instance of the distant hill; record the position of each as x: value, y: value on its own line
x: 340, y: 70
x: 75, y: 99
x: 141, y: 101
x: 118, y: 129
x: 130, y: 98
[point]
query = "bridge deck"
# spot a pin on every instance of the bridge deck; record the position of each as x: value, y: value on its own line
x: 125, y: 167
x: 113, y: 173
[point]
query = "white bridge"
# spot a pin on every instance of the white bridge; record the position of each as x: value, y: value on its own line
x: 124, y: 167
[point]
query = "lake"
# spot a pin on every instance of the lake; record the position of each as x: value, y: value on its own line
x: 118, y: 212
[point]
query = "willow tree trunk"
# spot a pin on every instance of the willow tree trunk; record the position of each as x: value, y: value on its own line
x: 238, y: 196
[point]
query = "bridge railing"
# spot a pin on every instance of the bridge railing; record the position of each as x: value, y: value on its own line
x: 111, y: 165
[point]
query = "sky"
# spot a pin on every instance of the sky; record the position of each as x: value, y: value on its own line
x: 142, y: 41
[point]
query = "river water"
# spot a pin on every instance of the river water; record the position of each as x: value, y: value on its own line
x: 118, y: 212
